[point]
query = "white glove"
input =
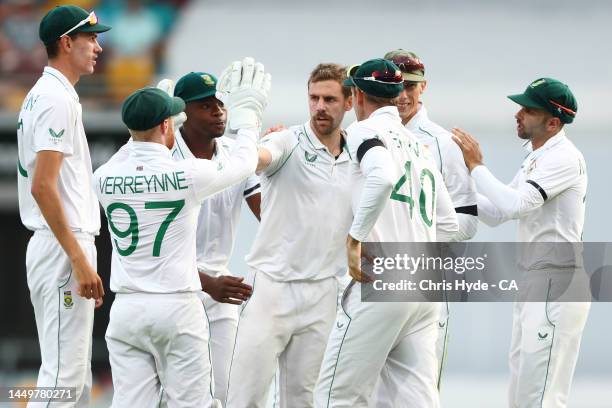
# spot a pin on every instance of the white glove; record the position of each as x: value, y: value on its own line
x: 167, y: 85
x: 244, y: 88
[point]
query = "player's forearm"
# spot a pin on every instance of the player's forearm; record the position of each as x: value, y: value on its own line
x: 506, y: 199
x: 488, y: 213
x: 376, y: 190
x: 48, y: 199
x: 242, y: 159
x: 205, y: 281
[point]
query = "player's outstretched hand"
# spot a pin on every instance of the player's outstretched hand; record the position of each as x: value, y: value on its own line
x: 90, y: 284
x: 353, y: 251
x: 228, y: 289
x: 244, y: 87
x: 469, y: 147
x: 167, y: 85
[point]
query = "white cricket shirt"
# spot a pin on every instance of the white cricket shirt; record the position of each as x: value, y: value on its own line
x: 418, y: 197
x: 305, y: 209
x: 219, y: 214
x: 51, y: 119
x: 551, y: 190
x: 152, y: 204
x: 449, y: 160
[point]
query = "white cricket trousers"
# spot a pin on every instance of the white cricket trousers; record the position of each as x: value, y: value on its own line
x: 393, y: 340
x: 285, y: 321
x: 64, y: 320
x: 543, y: 353
x: 159, y: 340
x: 223, y: 323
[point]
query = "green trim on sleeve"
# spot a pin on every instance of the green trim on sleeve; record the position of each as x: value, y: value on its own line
x: 22, y: 171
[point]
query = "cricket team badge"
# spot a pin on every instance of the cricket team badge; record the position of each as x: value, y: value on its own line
x: 208, y: 80
x: 68, y: 303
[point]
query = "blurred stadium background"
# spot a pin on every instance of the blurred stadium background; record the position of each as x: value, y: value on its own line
x: 475, y: 51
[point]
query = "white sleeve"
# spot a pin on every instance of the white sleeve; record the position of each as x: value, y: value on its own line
x: 252, y: 186
x: 462, y: 191
x: 211, y: 177
x: 447, y: 225
x: 488, y: 213
x: 54, y: 126
x: 555, y: 174
x: 510, y: 202
x: 280, y: 145
x: 376, y: 190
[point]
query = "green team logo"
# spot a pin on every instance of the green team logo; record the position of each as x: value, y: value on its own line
x: 542, y: 336
x: 56, y: 135
x: 310, y: 157
x: 208, y: 80
x: 68, y: 303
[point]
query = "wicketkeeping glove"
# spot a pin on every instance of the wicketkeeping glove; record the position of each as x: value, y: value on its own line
x: 167, y: 85
x: 244, y: 88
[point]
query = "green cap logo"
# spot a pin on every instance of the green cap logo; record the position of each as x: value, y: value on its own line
x: 537, y: 83
x: 208, y: 80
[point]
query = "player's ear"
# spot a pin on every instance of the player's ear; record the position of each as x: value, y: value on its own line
x: 553, y: 124
x: 65, y: 43
x: 423, y: 86
x: 348, y: 103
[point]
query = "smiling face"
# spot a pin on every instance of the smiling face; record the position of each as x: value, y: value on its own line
x: 83, y: 52
x: 408, y: 100
x: 327, y: 105
x: 206, y: 117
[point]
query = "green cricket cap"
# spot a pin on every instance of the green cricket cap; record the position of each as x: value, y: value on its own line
x: 68, y: 19
x: 196, y: 85
x: 148, y: 107
x: 376, y: 77
x: 413, y: 70
x: 551, y: 96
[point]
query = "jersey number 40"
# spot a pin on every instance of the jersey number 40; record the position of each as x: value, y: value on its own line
x: 408, y: 198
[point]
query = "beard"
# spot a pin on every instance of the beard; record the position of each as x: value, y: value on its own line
x: 323, y: 124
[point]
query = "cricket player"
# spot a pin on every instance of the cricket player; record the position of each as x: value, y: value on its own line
x: 157, y: 334
x: 297, y: 252
x: 547, y: 196
x: 389, y: 170
x: 448, y: 158
x: 202, y: 137
x: 57, y: 202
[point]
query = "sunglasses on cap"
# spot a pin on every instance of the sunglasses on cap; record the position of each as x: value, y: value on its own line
x: 563, y: 108
x: 386, y: 77
x: 408, y: 64
x: 91, y: 19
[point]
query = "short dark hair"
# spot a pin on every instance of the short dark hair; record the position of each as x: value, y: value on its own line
x: 54, y: 47
x: 379, y: 100
x: 330, y: 72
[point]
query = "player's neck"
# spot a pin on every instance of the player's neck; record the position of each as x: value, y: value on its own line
x: 202, y: 146
x: 538, y: 142
x: 66, y: 70
x: 332, y: 141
